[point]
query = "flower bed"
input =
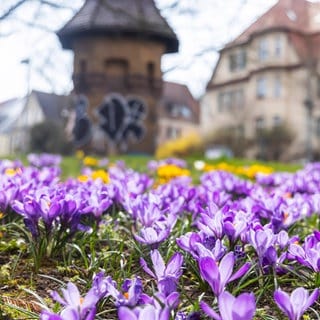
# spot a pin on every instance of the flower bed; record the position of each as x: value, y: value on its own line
x: 114, y: 243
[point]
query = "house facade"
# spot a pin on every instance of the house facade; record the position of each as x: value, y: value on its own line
x: 269, y: 76
x: 178, y: 111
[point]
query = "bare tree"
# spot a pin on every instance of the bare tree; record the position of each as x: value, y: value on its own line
x: 200, y: 37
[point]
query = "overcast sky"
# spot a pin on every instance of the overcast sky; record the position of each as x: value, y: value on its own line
x: 211, y: 24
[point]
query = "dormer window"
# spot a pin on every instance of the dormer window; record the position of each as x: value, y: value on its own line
x: 291, y: 15
x: 278, y: 46
x: 237, y: 60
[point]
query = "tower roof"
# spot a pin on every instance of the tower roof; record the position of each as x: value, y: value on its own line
x: 132, y: 18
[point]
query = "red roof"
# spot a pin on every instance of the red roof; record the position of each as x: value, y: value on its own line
x: 178, y: 94
x: 300, y: 16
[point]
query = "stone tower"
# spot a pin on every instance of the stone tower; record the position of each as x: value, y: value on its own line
x: 118, y: 45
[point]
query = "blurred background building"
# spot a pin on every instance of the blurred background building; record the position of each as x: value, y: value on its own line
x: 268, y: 79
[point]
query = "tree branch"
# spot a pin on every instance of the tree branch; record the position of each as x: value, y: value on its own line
x: 12, y: 9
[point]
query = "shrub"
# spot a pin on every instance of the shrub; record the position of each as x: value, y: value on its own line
x: 49, y: 137
x: 181, y: 147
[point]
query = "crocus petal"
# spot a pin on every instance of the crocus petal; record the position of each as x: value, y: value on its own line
x: 150, y: 235
x: 298, y: 300
x: 125, y: 313
x: 90, y: 300
x: 91, y: 315
x: 164, y: 314
x: 71, y: 294
x: 283, y: 301
x: 210, y: 272
x: 158, y: 263
x: 148, y: 312
x: 55, y: 296
x: 46, y: 315
x: 209, y: 311
x: 174, y: 265
x: 172, y: 300
x: 226, y: 301
x: 313, y: 297
x: 240, y: 272
x: 226, y: 268
x: 70, y: 313
x: 145, y: 267
x: 244, y: 307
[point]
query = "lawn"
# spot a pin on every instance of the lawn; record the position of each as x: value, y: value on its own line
x: 138, y: 238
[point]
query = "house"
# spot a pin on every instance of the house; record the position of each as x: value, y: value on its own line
x: 19, y: 115
x: 179, y: 112
x: 270, y: 75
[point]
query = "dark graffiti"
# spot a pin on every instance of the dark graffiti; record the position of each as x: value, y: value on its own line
x: 122, y: 119
x: 82, y: 131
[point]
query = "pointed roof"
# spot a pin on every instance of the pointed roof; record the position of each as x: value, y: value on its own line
x: 300, y: 16
x: 119, y: 17
x: 53, y: 105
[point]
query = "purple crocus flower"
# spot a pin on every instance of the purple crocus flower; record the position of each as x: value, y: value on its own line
x: 153, y: 235
x: 219, y: 275
x: 308, y: 254
x: 201, y: 245
x: 166, y: 275
x: 295, y: 305
x: 242, y: 307
x: 76, y: 307
x: 130, y: 294
x: 148, y: 312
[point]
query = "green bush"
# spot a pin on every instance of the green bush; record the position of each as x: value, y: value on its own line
x: 49, y: 137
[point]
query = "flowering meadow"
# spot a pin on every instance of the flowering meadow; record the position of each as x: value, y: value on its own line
x: 239, y: 243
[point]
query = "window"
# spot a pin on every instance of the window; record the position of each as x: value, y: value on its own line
x: 238, y: 98
x: 241, y: 59
x: 83, y: 66
x: 260, y: 123
x: 220, y: 101
x: 173, y: 133
x: 261, y: 87
x: 150, y: 73
x: 179, y: 110
x: 240, y: 130
x: 185, y: 112
x: 232, y: 62
x: 237, y: 60
x: 277, y: 121
x: 277, y: 86
x: 263, y: 50
x: 233, y: 99
x: 278, y: 46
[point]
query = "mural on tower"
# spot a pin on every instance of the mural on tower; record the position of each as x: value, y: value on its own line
x: 122, y: 119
